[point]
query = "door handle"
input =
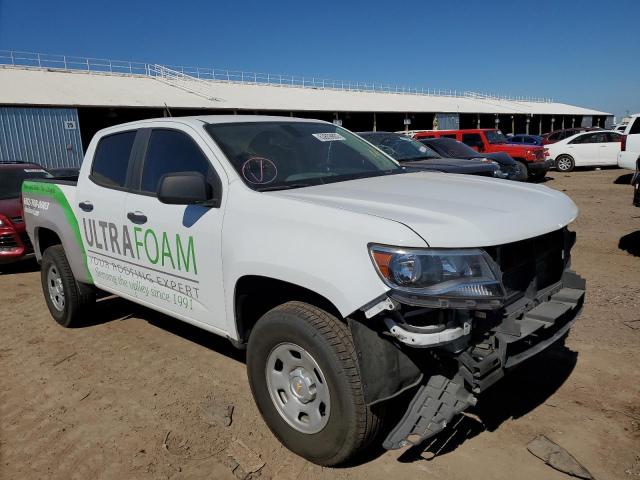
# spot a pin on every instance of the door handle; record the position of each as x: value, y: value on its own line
x: 137, y: 217
x: 87, y: 206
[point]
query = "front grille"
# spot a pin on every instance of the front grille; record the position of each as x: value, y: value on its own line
x: 531, y: 265
x: 8, y: 242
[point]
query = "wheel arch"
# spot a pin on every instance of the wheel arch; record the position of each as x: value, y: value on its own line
x: 45, y: 238
x: 255, y: 295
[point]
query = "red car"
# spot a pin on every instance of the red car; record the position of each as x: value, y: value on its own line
x: 14, y: 242
x: 531, y: 159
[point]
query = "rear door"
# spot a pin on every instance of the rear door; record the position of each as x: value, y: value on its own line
x: 180, y: 245
x: 101, y: 195
x: 609, y: 147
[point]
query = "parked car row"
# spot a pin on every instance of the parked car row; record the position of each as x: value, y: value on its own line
x: 531, y: 160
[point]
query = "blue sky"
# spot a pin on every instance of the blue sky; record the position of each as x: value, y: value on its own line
x: 581, y: 52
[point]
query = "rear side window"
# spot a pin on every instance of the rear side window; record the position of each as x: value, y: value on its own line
x: 635, y: 127
x: 516, y: 139
x: 111, y: 159
x: 449, y: 136
x: 172, y: 151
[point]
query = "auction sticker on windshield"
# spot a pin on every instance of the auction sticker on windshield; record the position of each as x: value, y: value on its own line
x: 328, y: 136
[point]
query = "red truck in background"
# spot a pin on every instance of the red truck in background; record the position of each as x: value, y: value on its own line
x: 530, y: 158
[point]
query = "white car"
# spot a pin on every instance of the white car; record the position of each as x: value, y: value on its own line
x: 630, y: 151
x: 587, y: 149
x: 349, y: 279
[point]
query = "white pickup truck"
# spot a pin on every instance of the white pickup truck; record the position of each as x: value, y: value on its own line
x: 348, y: 279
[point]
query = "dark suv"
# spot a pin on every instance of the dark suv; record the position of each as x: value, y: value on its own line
x: 14, y: 241
x: 415, y: 156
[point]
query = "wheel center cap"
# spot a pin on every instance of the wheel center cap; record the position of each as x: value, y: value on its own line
x: 302, y: 385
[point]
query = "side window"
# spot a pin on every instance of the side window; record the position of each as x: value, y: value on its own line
x: 172, y: 151
x: 613, y: 137
x: 111, y: 159
x: 516, y: 139
x: 472, y: 139
x: 635, y: 128
x: 449, y: 136
x: 581, y: 139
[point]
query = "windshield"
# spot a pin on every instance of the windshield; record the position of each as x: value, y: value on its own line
x: 453, y: 149
x: 11, y: 180
x: 495, y: 136
x: 400, y: 147
x: 278, y: 155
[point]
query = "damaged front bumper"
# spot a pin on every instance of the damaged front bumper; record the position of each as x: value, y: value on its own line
x: 462, y: 358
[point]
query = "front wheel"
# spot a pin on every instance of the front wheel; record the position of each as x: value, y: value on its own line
x: 67, y: 299
x: 303, y: 373
x: 564, y: 163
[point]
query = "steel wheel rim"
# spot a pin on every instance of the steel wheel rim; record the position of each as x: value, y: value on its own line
x: 56, y: 289
x: 564, y: 164
x: 298, y: 388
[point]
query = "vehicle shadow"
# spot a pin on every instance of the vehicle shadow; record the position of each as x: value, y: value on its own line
x: 513, y: 397
x: 21, y: 266
x: 110, y: 308
x: 624, y: 179
x: 540, y: 180
x: 630, y: 243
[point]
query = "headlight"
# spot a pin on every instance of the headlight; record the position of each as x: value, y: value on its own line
x: 461, y: 278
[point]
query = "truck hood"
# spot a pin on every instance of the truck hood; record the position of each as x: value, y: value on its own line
x: 449, y: 210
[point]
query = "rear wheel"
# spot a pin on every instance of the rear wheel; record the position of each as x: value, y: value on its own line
x: 524, y: 171
x: 67, y: 299
x: 564, y: 163
x: 303, y: 373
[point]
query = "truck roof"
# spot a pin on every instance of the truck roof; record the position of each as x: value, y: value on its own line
x: 208, y: 119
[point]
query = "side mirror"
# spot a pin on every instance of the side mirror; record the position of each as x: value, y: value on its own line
x: 184, y: 188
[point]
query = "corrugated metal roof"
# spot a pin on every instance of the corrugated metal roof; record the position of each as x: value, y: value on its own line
x: 23, y: 86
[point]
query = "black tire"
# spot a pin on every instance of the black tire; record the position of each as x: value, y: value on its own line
x: 351, y: 424
x: 524, y: 171
x: 565, y: 163
x: 77, y: 298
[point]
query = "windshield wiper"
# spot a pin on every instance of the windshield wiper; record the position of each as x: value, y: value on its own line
x: 272, y: 188
x: 415, y: 159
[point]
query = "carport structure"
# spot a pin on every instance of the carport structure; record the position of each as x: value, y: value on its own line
x: 90, y: 94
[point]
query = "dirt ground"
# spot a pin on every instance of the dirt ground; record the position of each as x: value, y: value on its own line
x: 135, y: 394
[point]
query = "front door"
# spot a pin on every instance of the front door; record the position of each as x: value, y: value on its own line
x: 178, y: 245
x: 584, y: 150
